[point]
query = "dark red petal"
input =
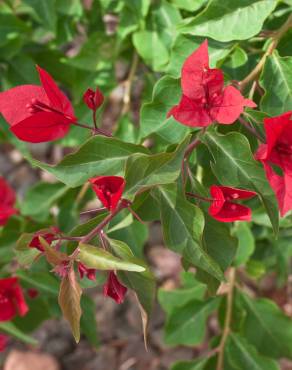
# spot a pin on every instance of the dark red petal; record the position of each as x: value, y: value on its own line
x: 232, y: 212
x: 218, y: 200
x: 282, y: 187
x: 190, y: 113
x: 7, y: 194
x: 88, y: 98
x: 22, y: 307
x: 56, y: 97
x: 236, y: 193
x: 275, y: 127
x: 193, y: 70
x: 3, y: 342
x: 13, y: 102
x: 109, y: 190
x: 214, y: 81
x: 6, y: 213
x: 32, y: 293
x: 98, y: 98
x: 114, y: 289
x: 42, y: 127
x: 227, y: 108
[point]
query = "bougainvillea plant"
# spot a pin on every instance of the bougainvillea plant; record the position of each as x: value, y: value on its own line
x: 206, y: 153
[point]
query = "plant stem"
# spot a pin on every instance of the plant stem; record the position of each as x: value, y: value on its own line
x: 228, y: 317
x: 199, y: 197
x: 275, y: 40
x: 128, y: 84
x: 94, y: 119
x: 99, y: 227
x: 96, y: 210
x: 251, y: 129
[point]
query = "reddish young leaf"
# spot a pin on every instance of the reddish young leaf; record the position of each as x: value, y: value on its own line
x: 69, y: 301
x: 278, y: 152
x: 109, y: 190
x: 114, y: 289
x: 93, y: 99
x: 204, y: 98
x: 12, y: 301
x: 37, y: 113
x: 7, y: 201
x: 224, y: 209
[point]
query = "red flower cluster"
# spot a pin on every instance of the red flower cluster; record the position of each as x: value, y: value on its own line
x: 37, y: 113
x: 7, y: 201
x: 114, y: 289
x: 12, y: 301
x: 109, y: 190
x: 278, y: 152
x: 224, y: 209
x: 85, y: 271
x: 204, y: 97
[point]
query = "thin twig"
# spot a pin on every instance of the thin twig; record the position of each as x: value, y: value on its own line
x: 251, y: 129
x: 275, y: 40
x: 128, y: 84
x: 228, y: 317
x: 99, y: 227
x: 192, y: 195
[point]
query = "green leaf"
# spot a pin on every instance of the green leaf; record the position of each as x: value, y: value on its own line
x: 276, y: 79
x: 190, y: 365
x: 183, y: 225
x: 242, y: 355
x: 229, y: 19
x: 234, y: 166
x: 39, y: 199
x: 246, y: 243
x: 100, y: 259
x: 145, y: 171
x: 185, y: 45
x: 45, y: 12
x: 88, y: 324
x: 154, y: 42
x: 24, y: 254
x: 190, y: 5
x: 9, y: 328
x: 43, y: 281
x: 170, y: 300
x: 187, y: 324
x: 11, y: 28
x: 69, y: 301
x: 99, y: 155
x: 166, y: 94
x: 266, y: 327
x: 143, y: 283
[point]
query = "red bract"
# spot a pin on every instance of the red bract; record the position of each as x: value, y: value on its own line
x: 11, y: 299
x: 223, y: 207
x: 3, y: 342
x: 7, y: 201
x: 85, y: 271
x: 37, y: 113
x: 49, y: 236
x: 93, y: 99
x: 204, y: 97
x: 114, y: 289
x: 278, y: 152
x: 109, y: 190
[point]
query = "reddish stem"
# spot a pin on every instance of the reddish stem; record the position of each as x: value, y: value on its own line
x: 199, y: 197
